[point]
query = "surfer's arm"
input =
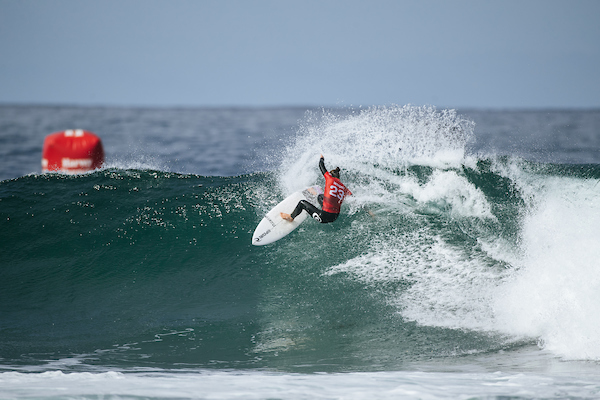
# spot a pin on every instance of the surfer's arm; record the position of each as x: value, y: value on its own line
x: 322, y: 165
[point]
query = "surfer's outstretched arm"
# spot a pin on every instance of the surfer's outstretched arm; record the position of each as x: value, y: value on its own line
x: 322, y: 165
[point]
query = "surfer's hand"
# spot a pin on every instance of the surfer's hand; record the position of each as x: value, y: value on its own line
x: 322, y: 156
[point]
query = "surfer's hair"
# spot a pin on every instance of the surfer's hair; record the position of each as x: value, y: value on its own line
x: 335, y: 172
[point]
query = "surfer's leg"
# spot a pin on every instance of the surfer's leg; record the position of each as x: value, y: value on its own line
x: 295, y: 213
x: 313, y: 211
x: 304, y: 205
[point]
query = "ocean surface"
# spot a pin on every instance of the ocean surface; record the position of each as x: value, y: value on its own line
x: 465, y: 266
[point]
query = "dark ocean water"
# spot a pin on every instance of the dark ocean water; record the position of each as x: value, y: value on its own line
x: 473, y: 275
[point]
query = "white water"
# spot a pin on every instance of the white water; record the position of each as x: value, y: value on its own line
x: 264, y: 385
x: 556, y: 294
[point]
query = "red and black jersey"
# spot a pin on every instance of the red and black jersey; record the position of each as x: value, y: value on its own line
x: 335, y: 191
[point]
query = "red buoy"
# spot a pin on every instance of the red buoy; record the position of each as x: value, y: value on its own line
x: 72, y: 151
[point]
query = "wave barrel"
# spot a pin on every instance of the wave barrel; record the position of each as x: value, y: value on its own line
x: 72, y: 151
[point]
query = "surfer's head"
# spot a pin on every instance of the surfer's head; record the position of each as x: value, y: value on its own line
x: 335, y: 172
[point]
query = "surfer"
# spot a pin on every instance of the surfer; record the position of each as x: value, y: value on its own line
x: 330, y: 201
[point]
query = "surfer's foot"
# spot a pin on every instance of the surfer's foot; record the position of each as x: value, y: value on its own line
x: 287, y: 217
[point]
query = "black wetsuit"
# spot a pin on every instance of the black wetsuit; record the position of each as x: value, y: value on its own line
x: 323, y: 217
x: 320, y: 215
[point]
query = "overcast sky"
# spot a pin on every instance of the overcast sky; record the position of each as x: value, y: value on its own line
x: 463, y: 53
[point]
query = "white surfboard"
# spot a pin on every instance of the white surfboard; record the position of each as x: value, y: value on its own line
x: 272, y: 227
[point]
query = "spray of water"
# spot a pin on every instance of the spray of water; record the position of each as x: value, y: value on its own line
x: 377, y: 140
